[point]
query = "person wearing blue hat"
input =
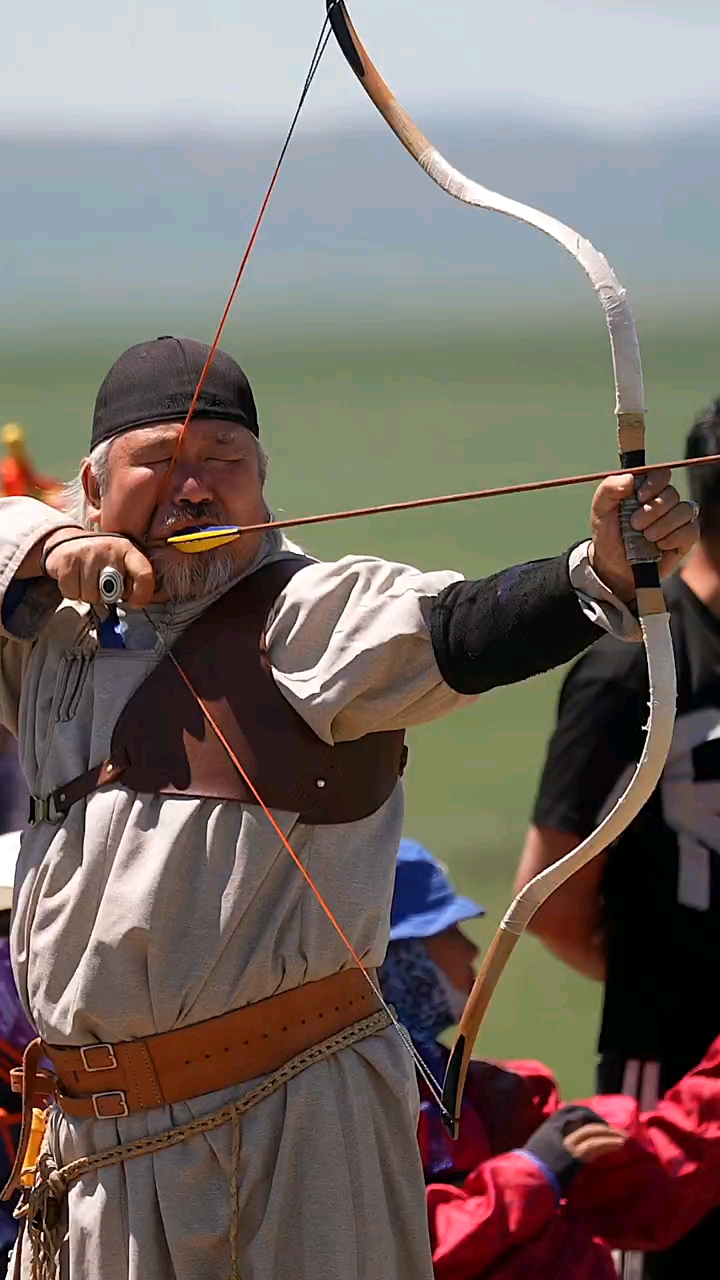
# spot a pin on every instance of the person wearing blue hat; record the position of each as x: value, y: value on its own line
x: 428, y: 971
x: 503, y: 1200
x: 424, y: 901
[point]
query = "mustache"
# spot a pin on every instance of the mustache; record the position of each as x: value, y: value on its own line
x: 192, y: 512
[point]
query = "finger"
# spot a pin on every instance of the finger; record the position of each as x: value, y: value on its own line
x: 592, y: 1129
x: 678, y: 517
x: 653, y: 484
x: 141, y: 579
x: 91, y: 567
x: 680, y: 541
x: 610, y: 1139
x: 591, y: 1137
x: 657, y: 507
x: 67, y: 574
x: 610, y: 493
x: 594, y: 1148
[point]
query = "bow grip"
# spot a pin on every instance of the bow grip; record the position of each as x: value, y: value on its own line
x: 637, y: 547
x: 631, y: 443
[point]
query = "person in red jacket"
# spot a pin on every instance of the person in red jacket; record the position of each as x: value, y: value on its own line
x: 534, y: 1187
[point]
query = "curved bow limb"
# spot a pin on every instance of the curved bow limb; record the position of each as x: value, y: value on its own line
x: 621, y: 327
x: 661, y: 670
x: 654, y: 621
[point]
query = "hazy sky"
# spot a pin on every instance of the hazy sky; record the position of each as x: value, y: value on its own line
x: 93, y: 64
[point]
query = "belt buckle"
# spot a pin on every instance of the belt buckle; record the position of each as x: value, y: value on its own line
x: 43, y: 809
x: 120, y: 1102
x: 109, y: 1065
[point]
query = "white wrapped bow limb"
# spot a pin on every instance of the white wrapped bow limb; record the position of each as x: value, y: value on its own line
x: 654, y: 621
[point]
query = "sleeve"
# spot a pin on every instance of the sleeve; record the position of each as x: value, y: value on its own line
x: 503, y: 629
x: 503, y: 1203
x: 351, y: 651
x: 523, y: 621
x: 26, y: 605
x: 666, y: 1178
x: 597, y: 738
x: 361, y: 644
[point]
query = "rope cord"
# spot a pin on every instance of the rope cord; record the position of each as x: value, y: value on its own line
x: 40, y: 1209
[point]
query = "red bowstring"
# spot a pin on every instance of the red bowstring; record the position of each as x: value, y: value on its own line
x: 219, y: 333
x: 430, y: 1080
x: 319, y: 49
x: 318, y: 52
x: 271, y: 819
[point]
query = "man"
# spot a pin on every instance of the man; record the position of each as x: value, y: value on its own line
x: 165, y: 944
x: 646, y: 917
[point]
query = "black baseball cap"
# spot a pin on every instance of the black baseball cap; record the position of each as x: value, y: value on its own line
x: 156, y: 381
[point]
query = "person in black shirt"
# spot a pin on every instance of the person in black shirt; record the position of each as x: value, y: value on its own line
x: 645, y: 917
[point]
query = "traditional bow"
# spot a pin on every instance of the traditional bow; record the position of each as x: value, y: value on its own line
x: 643, y: 557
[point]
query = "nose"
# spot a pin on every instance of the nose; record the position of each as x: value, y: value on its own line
x: 191, y: 485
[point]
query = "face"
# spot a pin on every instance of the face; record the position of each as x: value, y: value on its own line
x: 214, y: 481
x: 454, y: 953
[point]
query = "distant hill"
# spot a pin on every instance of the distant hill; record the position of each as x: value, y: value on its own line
x: 354, y: 225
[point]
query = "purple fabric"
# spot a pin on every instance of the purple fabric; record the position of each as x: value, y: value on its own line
x: 14, y: 796
x: 14, y: 1026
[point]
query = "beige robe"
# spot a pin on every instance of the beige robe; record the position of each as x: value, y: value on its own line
x: 141, y: 913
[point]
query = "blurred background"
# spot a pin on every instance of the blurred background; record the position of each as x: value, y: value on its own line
x: 399, y: 344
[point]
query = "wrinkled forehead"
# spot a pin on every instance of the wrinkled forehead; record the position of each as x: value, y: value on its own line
x: 199, y: 431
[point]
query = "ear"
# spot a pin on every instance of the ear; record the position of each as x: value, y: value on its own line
x: 91, y: 490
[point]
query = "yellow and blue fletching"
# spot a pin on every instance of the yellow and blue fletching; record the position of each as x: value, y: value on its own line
x: 205, y: 539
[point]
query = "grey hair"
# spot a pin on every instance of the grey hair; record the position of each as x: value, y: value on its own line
x: 74, y: 501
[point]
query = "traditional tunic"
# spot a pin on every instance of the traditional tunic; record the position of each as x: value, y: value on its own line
x: 142, y: 913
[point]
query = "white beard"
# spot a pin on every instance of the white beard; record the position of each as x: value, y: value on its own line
x: 193, y: 577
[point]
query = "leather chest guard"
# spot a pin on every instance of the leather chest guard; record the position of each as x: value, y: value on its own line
x: 171, y: 749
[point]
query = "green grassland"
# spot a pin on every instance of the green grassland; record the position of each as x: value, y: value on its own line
x: 370, y: 418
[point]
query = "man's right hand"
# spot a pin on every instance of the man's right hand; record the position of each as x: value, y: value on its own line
x: 76, y: 560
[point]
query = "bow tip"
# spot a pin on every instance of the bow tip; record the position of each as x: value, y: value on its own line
x: 337, y: 16
x: 452, y: 1088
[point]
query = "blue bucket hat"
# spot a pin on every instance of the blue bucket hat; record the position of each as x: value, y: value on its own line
x: 424, y: 901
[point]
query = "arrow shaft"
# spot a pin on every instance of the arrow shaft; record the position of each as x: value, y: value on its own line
x: 473, y: 495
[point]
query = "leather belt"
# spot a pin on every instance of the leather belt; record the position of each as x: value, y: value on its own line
x: 55, y: 806
x: 108, y: 1081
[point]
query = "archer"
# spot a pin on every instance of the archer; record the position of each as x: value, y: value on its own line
x: 204, y: 894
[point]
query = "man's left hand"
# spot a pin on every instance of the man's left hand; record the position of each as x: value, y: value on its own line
x: 662, y: 518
